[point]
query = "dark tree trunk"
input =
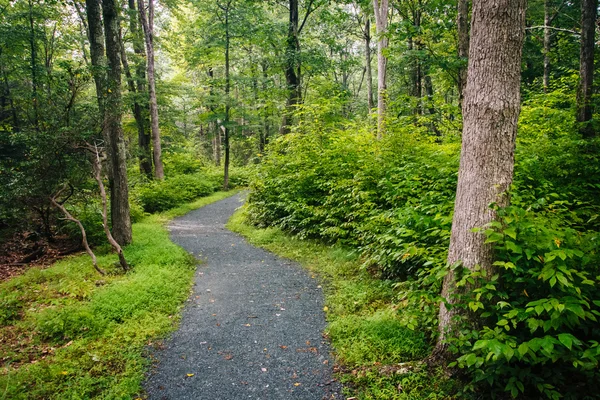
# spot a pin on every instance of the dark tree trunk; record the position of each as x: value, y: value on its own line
x: 292, y: 68
x: 490, y: 112
x: 34, y: 77
x: 97, y: 56
x: 145, y: 154
x: 586, y: 67
x: 368, y: 69
x: 119, y: 199
x: 148, y: 28
x: 264, y: 140
x: 462, y: 23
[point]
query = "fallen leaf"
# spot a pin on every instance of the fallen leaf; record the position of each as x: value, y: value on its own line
x: 325, y: 308
x: 283, y: 347
x: 247, y: 325
x: 297, y: 384
x: 263, y: 369
x: 190, y: 375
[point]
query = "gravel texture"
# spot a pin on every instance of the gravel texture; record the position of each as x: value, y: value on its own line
x: 252, y: 328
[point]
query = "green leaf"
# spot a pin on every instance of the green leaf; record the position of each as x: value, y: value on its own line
x: 566, y: 339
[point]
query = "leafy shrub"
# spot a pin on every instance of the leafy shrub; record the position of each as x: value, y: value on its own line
x: 541, y: 334
x: 392, y: 199
x: 162, y: 195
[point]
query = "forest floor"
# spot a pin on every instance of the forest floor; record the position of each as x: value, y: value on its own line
x: 252, y: 327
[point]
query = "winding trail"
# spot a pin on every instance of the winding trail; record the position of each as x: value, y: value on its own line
x: 252, y: 328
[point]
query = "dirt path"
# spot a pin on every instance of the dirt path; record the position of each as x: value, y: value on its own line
x: 252, y: 328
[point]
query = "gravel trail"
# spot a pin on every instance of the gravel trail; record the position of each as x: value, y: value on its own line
x: 252, y: 328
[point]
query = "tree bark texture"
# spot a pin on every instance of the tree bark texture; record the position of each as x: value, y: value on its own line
x: 119, y: 190
x: 381, y: 21
x: 148, y: 27
x: 490, y: 112
x: 586, y: 66
x: 139, y: 88
x: 462, y: 24
x: 368, y: 69
x: 292, y: 67
x: 97, y: 56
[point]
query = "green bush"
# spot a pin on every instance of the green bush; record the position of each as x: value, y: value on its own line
x: 540, y: 337
x: 391, y: 199
x: 163, y: 195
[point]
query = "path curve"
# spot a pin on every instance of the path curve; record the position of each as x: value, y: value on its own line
x: 251, y: 329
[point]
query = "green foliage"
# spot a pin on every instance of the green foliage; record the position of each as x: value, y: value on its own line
x: 540, y: 336
x: 94, y: 329
x: 391, y: 199
x: 176, y: 190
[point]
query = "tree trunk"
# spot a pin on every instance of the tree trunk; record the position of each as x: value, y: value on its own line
x: 227, y: 100
x: 34, y: 77
x: 145, y: 153
x: 292, y: 68
x: 264, y: 140
x: 381, y: 22
x: 586, y: 67
x: 148, y: 27
x: 547, y: 41
x: 490, y: 112
x: 119, y: 199
x: 369, y: 71
x: 97, y: 56
x: 462, y: 24
x: 144, y: 162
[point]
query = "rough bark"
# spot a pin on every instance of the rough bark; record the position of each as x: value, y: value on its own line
x: 586, y: 67
x: 381, y: 21
x: 368, y: 69
x: 97, y: 56
x: 490, y: 112
x: 139, y: 87
x: 119, y: 190
x: 148, y: 28
x: 292, y: 67
x: 462, y: 24
x: 33, y: 60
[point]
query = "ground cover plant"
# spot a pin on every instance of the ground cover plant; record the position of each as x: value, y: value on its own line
x: 69, y: 333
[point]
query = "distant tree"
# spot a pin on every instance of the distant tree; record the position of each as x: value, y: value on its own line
x: 589, y: 11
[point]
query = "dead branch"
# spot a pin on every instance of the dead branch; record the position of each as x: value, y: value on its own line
x: 97, y: 169
x: 69, y: 217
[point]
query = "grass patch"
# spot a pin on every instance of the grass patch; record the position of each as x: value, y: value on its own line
x: 68, y: 333
x: 367, y: 334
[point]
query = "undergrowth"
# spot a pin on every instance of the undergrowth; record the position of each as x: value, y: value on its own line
x: 67, y: 333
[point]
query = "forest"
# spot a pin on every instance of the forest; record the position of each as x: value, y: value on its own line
x: 435, y: 163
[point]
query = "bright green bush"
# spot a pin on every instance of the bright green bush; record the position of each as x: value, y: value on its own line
x: 392, y: 198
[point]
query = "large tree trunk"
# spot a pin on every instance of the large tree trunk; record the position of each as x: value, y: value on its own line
x: 381, y: 22
x: 368, y: 69
x: 119, y: 199
x: 97, y: 56
x: 462, y: 24
x: 292, y: 68
x: 586, y: 66
x: 148, y: 27
x: 145, y: 153
x: 490, y: 112
x: 34, y: 78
